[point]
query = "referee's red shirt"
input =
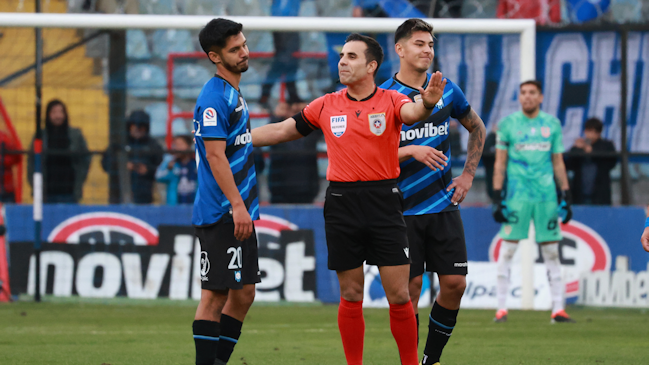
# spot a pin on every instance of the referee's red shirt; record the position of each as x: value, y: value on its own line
x: 362, y: 136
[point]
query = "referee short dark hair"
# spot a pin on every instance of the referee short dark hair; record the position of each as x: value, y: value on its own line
x: 410, y: 26
x: 374, y: 52
x: 216, y: 33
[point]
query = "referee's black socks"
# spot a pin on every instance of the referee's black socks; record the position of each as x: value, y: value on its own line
x: 440, y: 326
x: 230, y: 332
x: 206, y: 340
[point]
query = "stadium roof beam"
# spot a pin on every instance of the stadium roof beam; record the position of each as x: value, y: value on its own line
x: 525, y: 27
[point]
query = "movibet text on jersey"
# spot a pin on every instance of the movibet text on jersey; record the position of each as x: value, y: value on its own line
x: 425, y: 131
x: 243, y: 138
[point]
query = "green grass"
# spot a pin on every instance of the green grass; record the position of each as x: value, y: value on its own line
x: 159, y: 332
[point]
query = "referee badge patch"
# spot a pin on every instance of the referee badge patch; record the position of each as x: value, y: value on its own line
x: 338, y: 125
x: 209, y: 117
x: 377, y: 123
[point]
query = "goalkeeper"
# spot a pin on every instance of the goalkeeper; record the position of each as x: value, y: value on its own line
x: 529, y: 147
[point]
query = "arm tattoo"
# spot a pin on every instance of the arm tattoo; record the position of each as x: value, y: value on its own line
x: 477, y: 131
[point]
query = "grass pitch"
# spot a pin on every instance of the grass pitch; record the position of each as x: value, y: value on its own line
x: 132, y: 332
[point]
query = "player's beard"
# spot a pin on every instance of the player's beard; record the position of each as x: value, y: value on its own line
x: 531, y: 110
x: 237, y: 68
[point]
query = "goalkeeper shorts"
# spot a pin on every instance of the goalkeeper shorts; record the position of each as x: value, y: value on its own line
x: 544, y: 214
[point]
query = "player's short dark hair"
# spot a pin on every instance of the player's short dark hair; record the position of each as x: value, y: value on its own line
x: 216, y: 33
x: 594, y: 124
x: 410, y: 26
x: 374, y: 52
x: 532, y: 82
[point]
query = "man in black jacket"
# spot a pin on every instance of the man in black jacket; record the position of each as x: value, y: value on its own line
x: 144, y: 155
x: 591, y: 183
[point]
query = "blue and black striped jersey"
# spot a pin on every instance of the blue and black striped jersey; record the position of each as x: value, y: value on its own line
x: 424, y: 190
x: 222, y: 113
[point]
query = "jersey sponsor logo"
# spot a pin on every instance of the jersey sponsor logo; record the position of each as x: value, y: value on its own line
x: 540, y: 146
x: 377, y: 123
x: 209, y: 117
x: 242, y: 106
x: 104, y: 227
x: 338, y: 125
x: 205, y: 266
x: 243, y: 138
x: 545, y: 132
x: 581, y: 250
x: 425, y: 131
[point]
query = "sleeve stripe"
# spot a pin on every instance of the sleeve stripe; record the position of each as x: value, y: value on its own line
x: 302, y: 125
x: 464, y: 114
x: 306, y: 120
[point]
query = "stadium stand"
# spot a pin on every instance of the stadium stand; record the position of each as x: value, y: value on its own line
x: 146, y: 81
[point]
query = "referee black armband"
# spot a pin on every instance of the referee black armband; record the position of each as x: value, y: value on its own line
x: 302, y: 125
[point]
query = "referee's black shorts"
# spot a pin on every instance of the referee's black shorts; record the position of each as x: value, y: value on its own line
x: 364, y: 222
x: 437, y: 241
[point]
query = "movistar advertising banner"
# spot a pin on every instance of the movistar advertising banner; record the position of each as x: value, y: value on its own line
x: 150, y: 252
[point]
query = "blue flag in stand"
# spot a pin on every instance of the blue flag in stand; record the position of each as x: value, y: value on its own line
x: 582, y: 11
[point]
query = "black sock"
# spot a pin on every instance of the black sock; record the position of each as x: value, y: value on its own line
x: 417, y: 318
x: 206, y: 339
x: 440, y: 325
x: 230, y: 332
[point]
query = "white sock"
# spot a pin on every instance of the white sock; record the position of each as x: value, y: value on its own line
x: 553, y: 265
x: 507, y: 251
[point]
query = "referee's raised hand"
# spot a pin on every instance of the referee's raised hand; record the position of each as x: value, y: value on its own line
x: 434, y: 91
x: 242, y: 222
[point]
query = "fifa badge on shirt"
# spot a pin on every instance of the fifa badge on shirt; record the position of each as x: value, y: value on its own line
x: 545, y: 132
x: 209, y: 117
x: 338, y: 125
x: 377, y: 123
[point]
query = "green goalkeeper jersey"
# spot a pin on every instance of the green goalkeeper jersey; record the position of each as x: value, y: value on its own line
x: 530, y: 144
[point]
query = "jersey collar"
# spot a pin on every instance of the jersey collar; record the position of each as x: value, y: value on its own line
x: 228, y: 82
x: 406, y: 85
x: 367, y: 98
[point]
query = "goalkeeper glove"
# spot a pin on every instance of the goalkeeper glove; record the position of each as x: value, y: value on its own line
x: 565, y: 206
x: 499, y: 209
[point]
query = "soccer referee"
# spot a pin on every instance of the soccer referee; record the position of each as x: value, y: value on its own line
x: 226, y: 201
x: 364, y: 206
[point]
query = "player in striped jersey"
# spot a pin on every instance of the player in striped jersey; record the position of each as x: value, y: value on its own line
x: 226, y: 201
x: 435, y: 230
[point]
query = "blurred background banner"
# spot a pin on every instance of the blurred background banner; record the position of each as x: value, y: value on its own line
x: 580, y: 72
x: 602, y: 262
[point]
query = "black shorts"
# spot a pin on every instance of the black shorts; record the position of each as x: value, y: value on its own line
x: 437, y: 240
x: 227, y: 263
x: 364, y: 222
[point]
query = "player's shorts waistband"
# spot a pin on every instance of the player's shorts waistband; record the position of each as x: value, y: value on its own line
x: 363, y: 184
